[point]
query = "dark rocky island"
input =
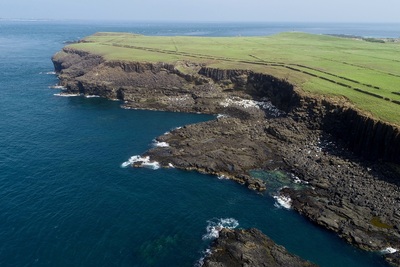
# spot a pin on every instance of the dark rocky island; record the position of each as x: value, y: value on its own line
x: 348, y: 159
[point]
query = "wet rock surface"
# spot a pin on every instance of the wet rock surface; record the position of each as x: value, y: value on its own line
x: 249, y: 248
x: 354, y: 194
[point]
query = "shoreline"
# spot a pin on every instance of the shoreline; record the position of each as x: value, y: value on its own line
x: 354, y: 197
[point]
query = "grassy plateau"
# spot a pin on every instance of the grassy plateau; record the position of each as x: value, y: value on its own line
x: 364, y: 72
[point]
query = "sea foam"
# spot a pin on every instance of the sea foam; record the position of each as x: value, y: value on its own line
x: 67, y: 95
x: 205, y: 253
x: 60, y: 87
x: 220, y: 116
x: 49, y: 73
x: 389, y: 250
x: 160, y: 144
x: 283, y: 201
x: 216, y: 225
x: 91, y: 96
x: 143, y: 162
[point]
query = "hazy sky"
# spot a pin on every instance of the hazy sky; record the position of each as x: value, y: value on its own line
x: 206, y: 10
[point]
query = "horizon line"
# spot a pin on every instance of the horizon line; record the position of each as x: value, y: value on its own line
x: 188, y: 21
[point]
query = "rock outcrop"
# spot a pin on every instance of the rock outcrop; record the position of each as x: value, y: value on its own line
x: 348, y: 159
x: 249, y: 248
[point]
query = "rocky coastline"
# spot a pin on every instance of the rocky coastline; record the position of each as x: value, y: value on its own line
x: 236, y: 248
x: 348, y: 160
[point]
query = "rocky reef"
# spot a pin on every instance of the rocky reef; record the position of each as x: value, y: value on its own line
x: 249, y: 248
x: 349, y: 160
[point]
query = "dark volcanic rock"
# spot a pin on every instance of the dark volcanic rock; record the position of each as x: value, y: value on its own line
x: 226, y: 146
x: 393, y: 259
x: 249, y: 248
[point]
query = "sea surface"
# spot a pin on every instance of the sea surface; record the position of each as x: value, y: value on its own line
x: 65, y: 199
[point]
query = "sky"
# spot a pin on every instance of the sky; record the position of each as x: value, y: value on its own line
x: 205, y: 10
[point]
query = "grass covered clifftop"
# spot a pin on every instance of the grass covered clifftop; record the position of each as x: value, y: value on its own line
x: 367, y: 74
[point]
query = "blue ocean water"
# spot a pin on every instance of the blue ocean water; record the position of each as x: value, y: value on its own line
x: 66, y: 201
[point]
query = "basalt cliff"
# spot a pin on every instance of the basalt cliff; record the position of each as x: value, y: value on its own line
x: 346, y: 160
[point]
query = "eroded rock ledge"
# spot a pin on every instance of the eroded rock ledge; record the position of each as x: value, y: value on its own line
x: 249, y: 248
x: 347, y: 158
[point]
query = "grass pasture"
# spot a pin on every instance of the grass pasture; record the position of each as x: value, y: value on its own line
x: 366, y: 73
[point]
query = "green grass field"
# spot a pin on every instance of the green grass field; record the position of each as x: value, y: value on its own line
x: 365, y: 73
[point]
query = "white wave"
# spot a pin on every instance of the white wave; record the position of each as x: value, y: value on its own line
x: 49, y: 73
x: 91, y: 96
x: 200, y: 262
x: 297, y: 180
x: 160, y: 144
x: 173, y: 129
x: 222, y: 177
x: 214, y: 226
x: 144, y: 162
x: 220, y: 116
x: 125, y: 107
x: 67, y: 95
x: 283, y: 201
x: 151, y: 165
x: 60, y: 87
x: 170, y: 165
x: 389, y: 250
x: 130, y: 161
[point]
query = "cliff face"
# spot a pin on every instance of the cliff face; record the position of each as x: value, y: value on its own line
x: 367, y: 137
x: 280, y: 92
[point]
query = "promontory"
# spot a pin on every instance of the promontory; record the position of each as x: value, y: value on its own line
x: 324, y: 110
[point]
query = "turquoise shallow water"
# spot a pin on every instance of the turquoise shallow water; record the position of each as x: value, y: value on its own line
x: 66, y: 201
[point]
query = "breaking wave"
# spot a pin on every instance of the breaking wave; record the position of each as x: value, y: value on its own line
x: 283, y: 202
x: 160, y: 144
x: 389, y: 250
x: 222, y: 177
x: 60, y: 87
x: 141, y: 162
x: 170, y: 165
x: 200, y: 262
x: 67, y: 95
x: 48, y: 73
x: 220, y: 116
x: 214, y: 226
x: 91, y: 96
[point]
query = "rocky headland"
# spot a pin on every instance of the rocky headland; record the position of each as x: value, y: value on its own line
x: 236, y: 248
x: 348, y: 160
